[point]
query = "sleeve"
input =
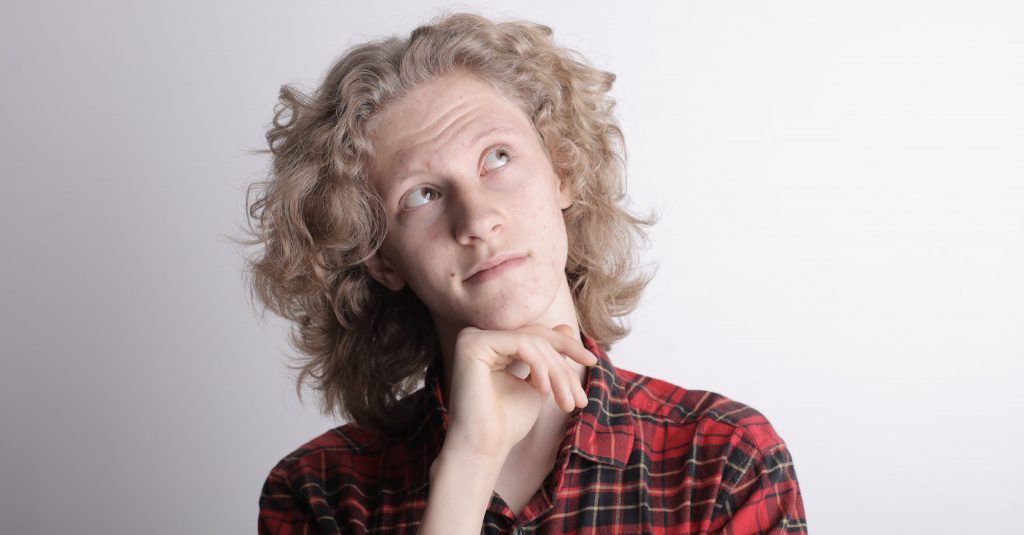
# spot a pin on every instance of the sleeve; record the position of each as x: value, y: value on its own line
x: 282, y: 511
x: 760, y: 493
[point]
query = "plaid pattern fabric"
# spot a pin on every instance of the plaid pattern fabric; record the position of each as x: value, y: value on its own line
x: 644, y: 456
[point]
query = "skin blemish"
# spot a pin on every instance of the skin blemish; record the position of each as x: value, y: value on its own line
x: 427, y: 140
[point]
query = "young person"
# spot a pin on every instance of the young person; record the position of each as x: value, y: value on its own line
x: 446, y: 209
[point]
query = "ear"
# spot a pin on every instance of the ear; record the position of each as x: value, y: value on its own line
x: 565, y: 193
x: 382, y: 271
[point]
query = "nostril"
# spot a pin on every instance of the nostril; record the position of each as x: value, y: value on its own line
x: 477, y: 225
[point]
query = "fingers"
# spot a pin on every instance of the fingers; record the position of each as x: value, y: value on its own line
x: 579, y: 394
x: 546, y: 351
x: 564, y: 340
x: 561, y: 383
x: 539, y: 376
x: 550, y: 372
x: 566, y: 387
x: 564, y: 381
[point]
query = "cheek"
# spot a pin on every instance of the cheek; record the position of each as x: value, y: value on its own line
x: 559, y: 242
x: 428, y: 265
x: 547, y: 230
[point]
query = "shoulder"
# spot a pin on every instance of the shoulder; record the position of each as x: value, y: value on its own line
x: 306, y: 488
x: 343, y: 449
x: 352, y: 456
x: 724, y: 453
x: 341, y: 477
x: 710, y: 415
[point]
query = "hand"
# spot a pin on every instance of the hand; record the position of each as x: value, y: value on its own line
x: 491, y: 409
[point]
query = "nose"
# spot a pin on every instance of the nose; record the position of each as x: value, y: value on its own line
x: 475, y: 216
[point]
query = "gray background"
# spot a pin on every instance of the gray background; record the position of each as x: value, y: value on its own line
x: 841, y: 247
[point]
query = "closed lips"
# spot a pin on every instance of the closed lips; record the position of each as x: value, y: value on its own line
x: 493, y: 262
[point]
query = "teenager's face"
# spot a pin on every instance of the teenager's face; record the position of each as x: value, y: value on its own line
x: 465, y: 180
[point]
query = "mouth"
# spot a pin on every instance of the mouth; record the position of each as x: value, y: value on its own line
x: 496, y: 266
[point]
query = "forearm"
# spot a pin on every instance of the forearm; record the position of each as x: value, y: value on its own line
x: 460, y: 490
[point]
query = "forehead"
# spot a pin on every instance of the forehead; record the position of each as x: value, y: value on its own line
x: 451, y: 112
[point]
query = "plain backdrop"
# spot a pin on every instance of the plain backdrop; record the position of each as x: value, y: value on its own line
x: 841, y: 245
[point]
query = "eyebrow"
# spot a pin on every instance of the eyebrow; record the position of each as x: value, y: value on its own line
x: 404, y: 174
x: 490, y: 132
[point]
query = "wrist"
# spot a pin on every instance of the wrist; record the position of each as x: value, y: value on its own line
x: 481, y: 447
x: 468, y: 463
x: 461, y: 486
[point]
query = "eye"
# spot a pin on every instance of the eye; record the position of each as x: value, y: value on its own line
x: 420, y: 196
x: 495, y: 159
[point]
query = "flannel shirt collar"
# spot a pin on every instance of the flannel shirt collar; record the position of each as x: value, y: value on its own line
x: 603, y: 431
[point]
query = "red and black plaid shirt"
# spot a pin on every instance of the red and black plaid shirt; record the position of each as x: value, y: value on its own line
x: 643, y: 456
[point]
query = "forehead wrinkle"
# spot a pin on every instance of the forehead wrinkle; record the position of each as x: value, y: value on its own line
x: 405, y: 158
x: 398, y: 166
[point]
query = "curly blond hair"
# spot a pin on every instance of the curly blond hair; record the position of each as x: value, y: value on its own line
x: 317, y: 219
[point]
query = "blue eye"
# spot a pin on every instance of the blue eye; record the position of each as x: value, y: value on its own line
x: 420, y: 196
x: 501, y: 159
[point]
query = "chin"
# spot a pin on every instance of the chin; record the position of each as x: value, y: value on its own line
x: 504, y: 322
x: 512, y: 325
x: 511, y: 314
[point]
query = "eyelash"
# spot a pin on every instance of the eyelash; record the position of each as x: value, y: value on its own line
x: 496, y: 150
